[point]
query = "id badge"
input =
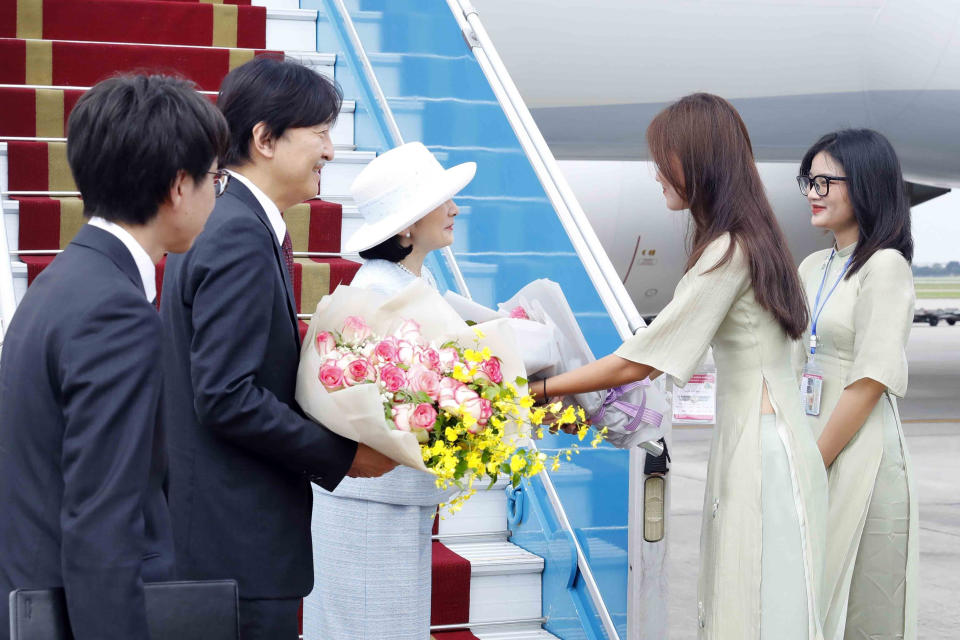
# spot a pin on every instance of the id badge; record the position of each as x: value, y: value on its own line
x: 811, y: 388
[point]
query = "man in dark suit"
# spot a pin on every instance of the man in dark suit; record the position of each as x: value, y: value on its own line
x: 242, y: 452
x: 83, y: 464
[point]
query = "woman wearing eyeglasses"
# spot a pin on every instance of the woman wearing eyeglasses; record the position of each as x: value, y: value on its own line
x: 861, y: 299
x: 763, y: 528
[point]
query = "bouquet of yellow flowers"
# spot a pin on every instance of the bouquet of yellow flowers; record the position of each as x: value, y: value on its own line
x: 407, y: 377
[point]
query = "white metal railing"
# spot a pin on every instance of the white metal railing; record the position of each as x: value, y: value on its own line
x: 601, y: 271
x: 606, y: 281
x: 8, y: 301
x: 393, y: 130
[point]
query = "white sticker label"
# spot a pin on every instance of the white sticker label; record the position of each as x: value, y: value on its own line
x: 696, y: 402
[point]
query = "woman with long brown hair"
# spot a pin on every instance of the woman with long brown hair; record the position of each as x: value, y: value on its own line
x: 763, y: 533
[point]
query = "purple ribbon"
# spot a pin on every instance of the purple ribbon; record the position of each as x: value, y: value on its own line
x: 639, y: 412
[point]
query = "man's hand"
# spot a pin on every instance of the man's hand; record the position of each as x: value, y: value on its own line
x: 369, y: 463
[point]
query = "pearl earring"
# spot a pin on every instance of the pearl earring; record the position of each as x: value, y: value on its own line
x: 407, y: 235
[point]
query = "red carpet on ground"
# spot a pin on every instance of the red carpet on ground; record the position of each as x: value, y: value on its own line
x: 144, y: 21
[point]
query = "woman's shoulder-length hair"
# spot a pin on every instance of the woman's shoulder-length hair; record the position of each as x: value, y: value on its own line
x: 875, y: 187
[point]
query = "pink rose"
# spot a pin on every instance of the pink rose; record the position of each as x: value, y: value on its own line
x: 392, y: 378
x: 355, y: 330
x: 325, y: 343
x: 480, y: 376
x: 448, y: 358
x: 408, y: 330
x: 486, y: 410
x: 426, y: 381
x: 360, y: 371
x: 429, y: 358
x: 448, y: 391
x: 519, y: 312
x: 406, y: 352
x: 491, y: 367
x: 331, y: 377
x: 386, y: 350
x: 476, y: 427
x: 424, y: 417
x: 402, y: 415
x: 469, y: 401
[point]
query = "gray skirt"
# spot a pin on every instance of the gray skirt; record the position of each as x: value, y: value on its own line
x: 372, y: 576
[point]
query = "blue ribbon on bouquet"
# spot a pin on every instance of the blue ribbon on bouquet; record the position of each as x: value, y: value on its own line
x: 639, y: 412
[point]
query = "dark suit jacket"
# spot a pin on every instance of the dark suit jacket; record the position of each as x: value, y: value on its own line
x: 82, y: 457
x: 242, y: 453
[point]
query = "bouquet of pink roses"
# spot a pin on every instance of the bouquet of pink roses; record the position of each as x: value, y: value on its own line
x: 407, y: 377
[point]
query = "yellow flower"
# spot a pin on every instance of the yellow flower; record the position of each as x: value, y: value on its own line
x: 486, y: 353
x: 526, y: 402
x: 537, y: 416
x: 450, y: 433
x: 581, y: 414
x: 568, y: 416
x: 517, y: 463
x: 468, y: 419
x: 479, y: 333
x: 582, y: 432
x: 472, y: 356
x: 460, y: 373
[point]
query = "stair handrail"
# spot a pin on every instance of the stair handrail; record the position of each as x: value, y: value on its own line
x: 601, y: 271
x: 8, y: 300
x: 382, y: 113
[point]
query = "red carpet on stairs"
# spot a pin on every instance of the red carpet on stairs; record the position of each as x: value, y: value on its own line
x: 453, y: 635
x: 450, y: 595
x: 242, y: 3
x: 36, y: 112
x: 83, y: 64
x: 144, y: 21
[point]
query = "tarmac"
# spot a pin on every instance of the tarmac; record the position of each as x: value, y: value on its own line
x: 931, y: 417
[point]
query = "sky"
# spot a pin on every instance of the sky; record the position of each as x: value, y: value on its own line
x: 936, y: 230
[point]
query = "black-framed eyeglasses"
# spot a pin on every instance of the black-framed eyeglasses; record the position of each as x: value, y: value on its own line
x: 220, y: 179
x: 821, y: 183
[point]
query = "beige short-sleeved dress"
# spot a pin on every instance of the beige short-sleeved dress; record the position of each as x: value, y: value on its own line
x: 872, y: 550
x: 764, y: 522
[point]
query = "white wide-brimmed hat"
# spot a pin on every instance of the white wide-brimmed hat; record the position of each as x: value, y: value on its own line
x: 398, y: 188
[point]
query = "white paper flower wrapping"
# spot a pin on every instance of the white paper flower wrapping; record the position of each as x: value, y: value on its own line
x: 357, y: 412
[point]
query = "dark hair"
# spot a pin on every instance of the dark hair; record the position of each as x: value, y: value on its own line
x: 390, y: 249
x: 282, y: 93
x: 129, y: 136
x: 701, y: 147
x: 876, y: 190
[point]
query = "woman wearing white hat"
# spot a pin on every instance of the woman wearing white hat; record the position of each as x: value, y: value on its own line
x: 372, y: 542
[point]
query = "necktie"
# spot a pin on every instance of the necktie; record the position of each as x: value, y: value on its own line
x: 287, y: 248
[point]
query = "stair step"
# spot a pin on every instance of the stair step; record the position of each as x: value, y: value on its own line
x: 504, y: 583
x: 27, y: 112
x: 528, y: 634
x: 187, y: 23
x: 83, y: 64
x: 292, y: 29
x: 485, y: 512
x: 277, y: 4
x: 42, y: 167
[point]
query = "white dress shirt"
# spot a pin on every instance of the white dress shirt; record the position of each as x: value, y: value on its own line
x: 148, y: 270
x: 273, y: 213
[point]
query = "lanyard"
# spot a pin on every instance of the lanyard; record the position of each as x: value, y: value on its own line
x: 817, y: 307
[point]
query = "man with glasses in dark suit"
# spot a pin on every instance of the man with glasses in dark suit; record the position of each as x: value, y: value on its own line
x: 83, y: 460
x: 242, y: 453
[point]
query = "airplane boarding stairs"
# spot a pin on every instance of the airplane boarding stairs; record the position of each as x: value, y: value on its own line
x: 549, y: 559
